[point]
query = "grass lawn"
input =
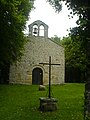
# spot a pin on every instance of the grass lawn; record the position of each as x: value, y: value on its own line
x: 21, y: 102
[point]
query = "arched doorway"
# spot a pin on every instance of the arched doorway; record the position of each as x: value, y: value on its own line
x: 37, y: 76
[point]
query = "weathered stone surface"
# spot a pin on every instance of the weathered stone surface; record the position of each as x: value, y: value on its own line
x: 37, y: 50
x: 42, y: 87
x: 48, y: 104
x: 38, y: 23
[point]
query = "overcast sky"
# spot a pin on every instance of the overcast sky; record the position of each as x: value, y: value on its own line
x: 58, y: 23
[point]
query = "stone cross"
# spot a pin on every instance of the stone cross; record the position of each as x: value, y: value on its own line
x: 49, y: 74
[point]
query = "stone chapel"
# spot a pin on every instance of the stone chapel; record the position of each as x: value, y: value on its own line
x: 37, y: 50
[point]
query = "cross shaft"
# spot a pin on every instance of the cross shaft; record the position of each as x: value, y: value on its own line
x: 49, y: 74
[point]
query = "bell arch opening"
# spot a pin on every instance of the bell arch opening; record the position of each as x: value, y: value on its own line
x: 41, y: 30
x: 35, y: 30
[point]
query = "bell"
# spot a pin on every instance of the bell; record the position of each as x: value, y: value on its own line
x: 35, y: 31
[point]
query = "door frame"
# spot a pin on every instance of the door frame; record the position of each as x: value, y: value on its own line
x: 37, y: 76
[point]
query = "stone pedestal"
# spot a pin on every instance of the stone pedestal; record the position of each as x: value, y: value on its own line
x: 48, y: 104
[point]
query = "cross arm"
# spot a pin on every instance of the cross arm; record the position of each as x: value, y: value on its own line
x: 49, y: 64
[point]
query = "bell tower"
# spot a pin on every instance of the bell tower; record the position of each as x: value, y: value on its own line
x: 38, y: 28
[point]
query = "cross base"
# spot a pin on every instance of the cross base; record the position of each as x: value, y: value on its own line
x: 48, y: 104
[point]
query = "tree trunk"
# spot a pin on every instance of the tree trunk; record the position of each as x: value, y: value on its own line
x: 4, y: 74
x: 87, y: 85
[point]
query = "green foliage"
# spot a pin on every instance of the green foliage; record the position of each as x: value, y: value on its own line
x: 13, y: 16
x: 75, y: 55
x: 21, y: 102
x: 80, y: 33
x: 75, y: 58
x: 56, y: 39
x: 56, y: 4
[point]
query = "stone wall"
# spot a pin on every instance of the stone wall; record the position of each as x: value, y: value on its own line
x: 37, y: 50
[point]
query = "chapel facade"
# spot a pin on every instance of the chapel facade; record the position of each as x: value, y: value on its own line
x: 37, y: 50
